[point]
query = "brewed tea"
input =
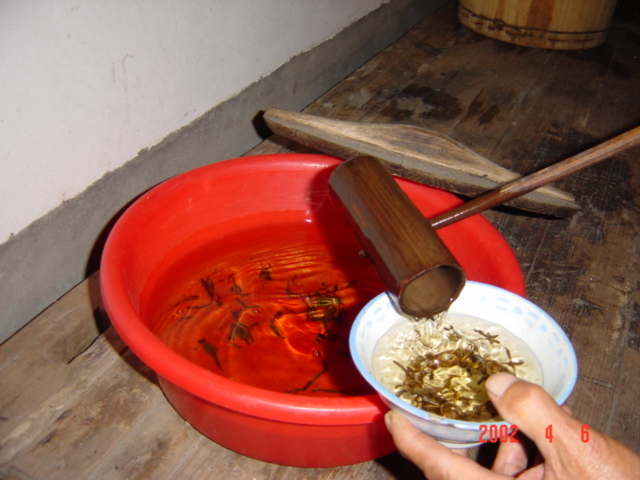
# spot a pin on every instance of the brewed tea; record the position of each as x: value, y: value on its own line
x: 440, y: 365
x: 271, y: 307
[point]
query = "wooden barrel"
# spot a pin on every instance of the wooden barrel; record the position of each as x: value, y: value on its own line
x: 556, y: 24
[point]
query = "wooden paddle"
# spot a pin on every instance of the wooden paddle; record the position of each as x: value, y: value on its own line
x: 416, y: 154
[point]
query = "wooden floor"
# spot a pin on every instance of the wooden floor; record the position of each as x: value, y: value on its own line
x: 75, y: 403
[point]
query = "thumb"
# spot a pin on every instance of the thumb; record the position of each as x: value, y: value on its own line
x: 436, y: 461
x: 531, y: 410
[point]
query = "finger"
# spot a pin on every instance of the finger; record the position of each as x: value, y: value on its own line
x: 521, y: 403
x: 524, y: 404
x: 436, y: 461
x: 512, y: 458
x: 461, y: 451
x: 535, y: 473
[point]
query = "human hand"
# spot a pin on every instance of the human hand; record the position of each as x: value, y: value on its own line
x: 529, y: 407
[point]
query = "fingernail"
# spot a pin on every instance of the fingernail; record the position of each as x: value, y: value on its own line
x: 499, y: 383
x: 387, y: 420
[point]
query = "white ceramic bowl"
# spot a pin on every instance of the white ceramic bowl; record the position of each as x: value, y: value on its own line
x: 523, y: 318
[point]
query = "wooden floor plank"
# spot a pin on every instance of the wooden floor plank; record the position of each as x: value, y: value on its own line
x: 358, y: 96
x: 152, y: 447
x: 85, y: 420
x: 27, y: 425
x: 626, y: 417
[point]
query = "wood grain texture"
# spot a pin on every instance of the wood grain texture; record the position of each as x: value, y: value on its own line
x: 405, y: 250
x: 558, y: 24
x: 76, y: 406
x: 528, y: 183
x: 415, y: 154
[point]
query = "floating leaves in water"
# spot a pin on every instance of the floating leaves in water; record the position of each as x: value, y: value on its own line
x: 443, y: 369
x: 270, y: 308
x: 211, y: 350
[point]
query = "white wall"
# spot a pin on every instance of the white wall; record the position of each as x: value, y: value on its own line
x: 86, y: 84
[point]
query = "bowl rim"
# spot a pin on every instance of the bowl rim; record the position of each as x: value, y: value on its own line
x: 206, y: 384
x: 391, y: 398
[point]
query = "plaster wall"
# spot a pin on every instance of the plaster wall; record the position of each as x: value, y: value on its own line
x: 87, y: 84
x: 103, y: 100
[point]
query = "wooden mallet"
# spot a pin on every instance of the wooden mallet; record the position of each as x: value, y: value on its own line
x: 411, y: 260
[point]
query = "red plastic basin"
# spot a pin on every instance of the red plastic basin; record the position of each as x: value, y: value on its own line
x: 274, y: 427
